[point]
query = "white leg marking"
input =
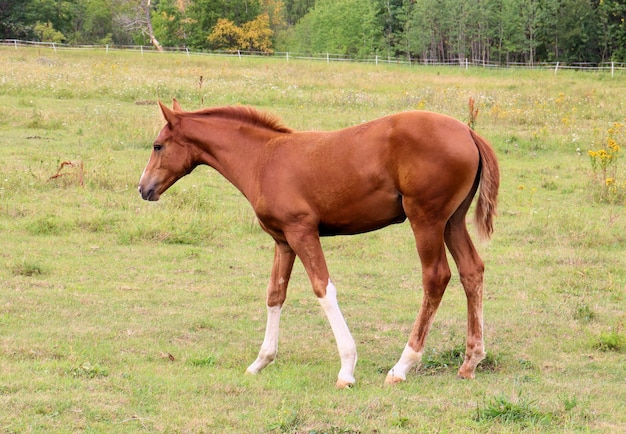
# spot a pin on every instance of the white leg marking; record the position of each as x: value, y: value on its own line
x: 269, y: 348
x: 407, y: 360
x: 345, y: 343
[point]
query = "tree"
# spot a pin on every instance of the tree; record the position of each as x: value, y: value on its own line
x: 14, y: 20
x: 392, y: 16
x: 348, y: 27
x: 226, y: 35
x: 419, y: 30
x: 98, y: 24
x: 56, y: 14
x: 446, y: 30
x: 46, y: 33
x: 254, y: 35
x: 204, y: 14
x: 257, y: 35
x: 135, y: 16
x: 429, y: 30
x: 296, y: 9
x: 612, y: 42
x: 170, y: 22
x: 275, y: 10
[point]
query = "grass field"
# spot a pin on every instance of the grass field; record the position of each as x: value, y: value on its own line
x: 118, y: 315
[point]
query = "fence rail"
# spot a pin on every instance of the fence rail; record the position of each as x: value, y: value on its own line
x: 466, y: 63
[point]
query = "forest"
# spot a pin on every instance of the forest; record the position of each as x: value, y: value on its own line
x: 489, y: 31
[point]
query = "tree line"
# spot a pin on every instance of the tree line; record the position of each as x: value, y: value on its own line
x: 492, y: 31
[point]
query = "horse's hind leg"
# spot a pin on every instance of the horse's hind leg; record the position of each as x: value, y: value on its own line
x: 284, y: 258
x: 471, y: 269
x: 435, y: 277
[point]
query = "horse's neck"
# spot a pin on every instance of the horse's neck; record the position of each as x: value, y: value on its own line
x: 235, y: 153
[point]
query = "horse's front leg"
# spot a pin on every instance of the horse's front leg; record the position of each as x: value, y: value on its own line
x: 284, y: 258
x: 345, y: 342
x: 309, y: 249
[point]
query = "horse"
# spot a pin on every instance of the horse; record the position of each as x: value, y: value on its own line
x: 417, y: 165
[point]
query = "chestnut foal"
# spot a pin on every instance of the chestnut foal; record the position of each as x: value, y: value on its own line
x: 419, y: 165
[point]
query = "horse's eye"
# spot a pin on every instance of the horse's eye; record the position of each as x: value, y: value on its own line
x: 157, y: 147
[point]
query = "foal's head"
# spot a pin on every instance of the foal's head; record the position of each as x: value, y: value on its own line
x: 171, y: 158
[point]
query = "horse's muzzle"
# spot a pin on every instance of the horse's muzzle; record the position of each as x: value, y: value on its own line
x: 148, y: 194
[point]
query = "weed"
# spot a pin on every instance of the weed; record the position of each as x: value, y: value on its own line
x: 584, y: 314
x: 400, y: 422
x: 491, y: 362
x: 36, y: 120
x: 334, y: 430
x: 76, y: 171
x: 549, y: 184
x: 610, y: 341
x: 452, y: 358
x: 29, y: 269
x: 608, y: 183
x: 527, y: 365
x: 288, y: 421
x: 473, y: 113
x: 202, y: 362
x: 87, y: 370
x: 501, y: 409
x: 47, y: 225
x: 569, y: 403
x: 435, y: 361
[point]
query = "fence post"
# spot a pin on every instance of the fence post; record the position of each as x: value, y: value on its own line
x: 612, y: 69
x: 466, y: 64
x: 377, y: 59
x: 141, y: 49
x: 239, y: 54
x: 327, y: 58
x: 107, y: 50
x: 287, y: 56
x: 15, y: 43
x: 556, y: 68
x: 54, y: 47
x: 187, y: 49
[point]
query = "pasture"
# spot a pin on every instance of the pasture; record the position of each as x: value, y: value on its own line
x: 118, y: 315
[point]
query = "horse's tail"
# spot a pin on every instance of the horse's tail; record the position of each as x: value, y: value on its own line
x: 486, y: 207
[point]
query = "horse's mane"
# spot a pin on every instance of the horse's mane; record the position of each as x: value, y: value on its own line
x: 248, y: 115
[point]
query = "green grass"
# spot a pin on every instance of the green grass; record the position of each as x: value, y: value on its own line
x: 521, y: 413
x: 119, y: 315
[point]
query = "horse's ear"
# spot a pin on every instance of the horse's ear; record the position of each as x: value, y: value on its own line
x: 169, y: 115
x: 176, y: 105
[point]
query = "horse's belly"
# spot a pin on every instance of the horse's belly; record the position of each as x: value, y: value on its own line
x: 361, y: 217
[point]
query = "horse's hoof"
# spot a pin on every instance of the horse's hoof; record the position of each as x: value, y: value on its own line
x: 343, y: 384
x: 461, y: 375
x: 391, y: 379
